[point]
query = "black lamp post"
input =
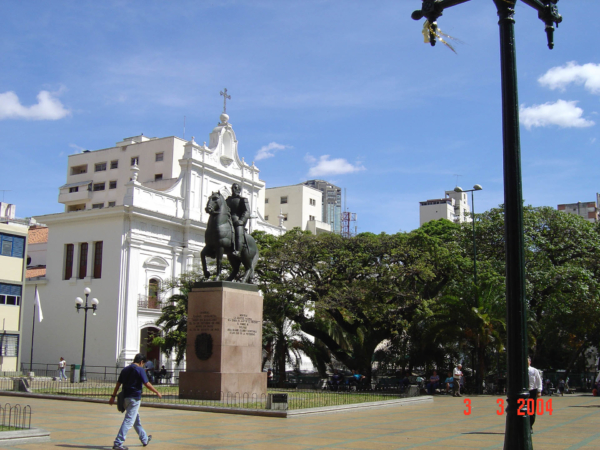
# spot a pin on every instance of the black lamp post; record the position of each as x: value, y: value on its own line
x: 477, y: 187
x: 517, y: 436
x: 93, y: 306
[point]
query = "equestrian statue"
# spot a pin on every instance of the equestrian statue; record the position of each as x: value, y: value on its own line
x: 226, y: 234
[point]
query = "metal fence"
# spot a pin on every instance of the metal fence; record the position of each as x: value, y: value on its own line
x: 15, y: 417
x: 297, y: 399
x: 104, y: 373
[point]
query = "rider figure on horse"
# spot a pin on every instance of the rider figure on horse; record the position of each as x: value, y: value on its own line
x: 240, y: 213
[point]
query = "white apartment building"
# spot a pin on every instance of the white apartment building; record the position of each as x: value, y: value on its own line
x: 133, y: 218
x: 454, y: 206
x: 13, y: 254
x: 588, y: 210
x: 293, y: 206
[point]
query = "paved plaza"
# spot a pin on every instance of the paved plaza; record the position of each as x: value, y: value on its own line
x: 574, y: 424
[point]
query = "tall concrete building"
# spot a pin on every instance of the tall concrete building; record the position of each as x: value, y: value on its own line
x: 331, y: 203
x: 454, y: 206
x: 13, y: 252
x: 588, y: 210
x: 295, y: 206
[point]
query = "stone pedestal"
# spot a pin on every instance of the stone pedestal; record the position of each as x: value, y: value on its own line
x: 224, y: 343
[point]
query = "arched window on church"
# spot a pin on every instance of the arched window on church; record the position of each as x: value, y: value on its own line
x: 153, y: 293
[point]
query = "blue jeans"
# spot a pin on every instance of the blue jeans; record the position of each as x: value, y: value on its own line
x: 61, y: 374
x: 132, y: 418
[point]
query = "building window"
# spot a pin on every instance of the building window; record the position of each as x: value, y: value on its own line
x: 10, y: 300
x: 99, y: 186
x: 158, y: 177
x: 80, y: 207
x: 266, y: 217
x: 83, y: 254
x: 74, y: 189
x: 100, y: 167
x: 77, y: 170
x: 283, y: 200
x: 69, y: 248
x: 110, y: 204
x: 98, y: 259
x: 311, y: 217
x: 159, y: 157
x: 312, y: 202
x: 266, y: 201
x: 114, y: 164
x: 112, y: 184
x: 12, y: 245
x: 285, y: 217
x: 135, y: 160
x: 9, y: 345
x: 98, y: 206
x: 10, y: 294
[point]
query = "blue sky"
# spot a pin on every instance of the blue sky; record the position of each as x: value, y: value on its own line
x: 341, y: 90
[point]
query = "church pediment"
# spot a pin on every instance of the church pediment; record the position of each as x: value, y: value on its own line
x: 157, y: 263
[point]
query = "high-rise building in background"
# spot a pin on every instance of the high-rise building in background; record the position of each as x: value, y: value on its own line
x: 453, y: 206
x: 587, y: 210
x: 332, y: 203
x: 294, y: 206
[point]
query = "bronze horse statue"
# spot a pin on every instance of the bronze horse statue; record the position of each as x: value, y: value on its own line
x: 219, y: 239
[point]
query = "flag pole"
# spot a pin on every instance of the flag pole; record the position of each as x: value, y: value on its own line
x: 32, y: 331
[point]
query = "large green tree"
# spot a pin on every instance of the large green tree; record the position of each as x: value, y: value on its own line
x: 369, y: 286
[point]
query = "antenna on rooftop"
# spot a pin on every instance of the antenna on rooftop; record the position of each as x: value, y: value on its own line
x: 183, y: 127
x: 3, y: 192
x: 457, y: 175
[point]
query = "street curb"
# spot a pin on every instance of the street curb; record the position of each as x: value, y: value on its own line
x: 248, y: 412
x: 30, y: 436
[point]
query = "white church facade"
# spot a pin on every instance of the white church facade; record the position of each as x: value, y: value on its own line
x: 134, y: 217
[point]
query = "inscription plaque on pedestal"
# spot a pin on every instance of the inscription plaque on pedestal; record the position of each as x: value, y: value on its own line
x: 224, y: 342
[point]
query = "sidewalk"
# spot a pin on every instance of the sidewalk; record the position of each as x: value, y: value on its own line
x: 442, y: 424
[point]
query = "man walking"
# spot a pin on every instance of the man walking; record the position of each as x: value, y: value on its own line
x: 535, y: 387
x: 457, y: 375
x: 132, y: 377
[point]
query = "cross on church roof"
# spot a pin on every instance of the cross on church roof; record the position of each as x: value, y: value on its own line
x: 225, y: 97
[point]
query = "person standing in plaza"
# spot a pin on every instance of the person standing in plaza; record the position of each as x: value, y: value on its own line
x: 149, y: 366
x: 457, y: 375
x: 132, y: 378
x: 62, y: 365
x: 535, y: 387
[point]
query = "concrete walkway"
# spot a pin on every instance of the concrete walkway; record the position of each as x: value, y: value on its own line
x: 574, y: 424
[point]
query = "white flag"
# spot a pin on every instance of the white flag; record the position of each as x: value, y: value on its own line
x: 39, y: 305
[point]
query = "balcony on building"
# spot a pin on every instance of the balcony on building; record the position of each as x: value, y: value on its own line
x: 318, y: 227
x: 73, y: 193
x: 151, y: 302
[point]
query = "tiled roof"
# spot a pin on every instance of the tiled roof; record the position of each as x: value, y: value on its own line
x: 38, y: 271
x: 38, y: 235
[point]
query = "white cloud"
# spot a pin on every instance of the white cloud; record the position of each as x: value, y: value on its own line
x: 77, y: 148
x: 268, y: 151
x: 326, y: 166
x: 560, y: 77
x: 48, y: 107
x: 562, y: 113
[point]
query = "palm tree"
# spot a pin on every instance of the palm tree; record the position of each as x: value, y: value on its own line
x: 477, y: 321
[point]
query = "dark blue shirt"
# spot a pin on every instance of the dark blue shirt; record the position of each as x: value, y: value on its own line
x: 132, y: 378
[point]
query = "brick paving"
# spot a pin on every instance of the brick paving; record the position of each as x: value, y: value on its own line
x: 574, y: 424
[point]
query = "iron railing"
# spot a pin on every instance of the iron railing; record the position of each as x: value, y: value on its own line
x: 150, y: 302
x: 15, y: 417
x: 171, y: 394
